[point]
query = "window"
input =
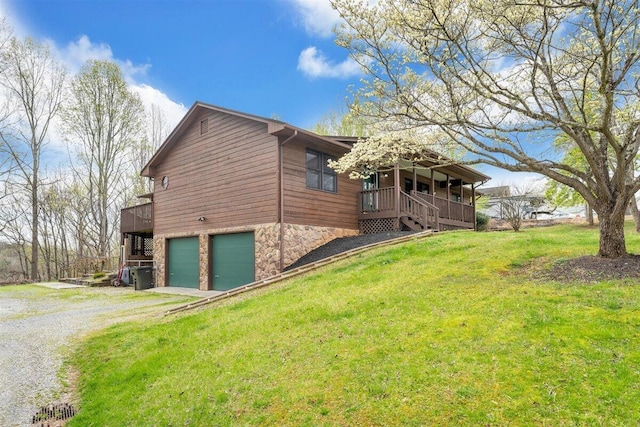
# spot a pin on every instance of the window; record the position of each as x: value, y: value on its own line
x: 319, y: 175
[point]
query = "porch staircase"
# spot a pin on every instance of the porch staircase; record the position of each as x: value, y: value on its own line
x: 408, y: 222
x: 417, y: 214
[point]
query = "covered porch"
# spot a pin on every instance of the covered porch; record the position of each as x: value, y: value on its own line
x: 419, y: 196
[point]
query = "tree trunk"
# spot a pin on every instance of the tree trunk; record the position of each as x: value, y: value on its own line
x: 612, y: 243
x: 34, y: 224
x: 589, y: 212
x: 633, y: 204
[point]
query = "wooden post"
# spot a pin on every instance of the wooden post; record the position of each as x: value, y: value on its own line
x: 396, y: 179
x: 448, y: 198
x: 415, y: 178
x: 473, y: 203
x: 433, y: 187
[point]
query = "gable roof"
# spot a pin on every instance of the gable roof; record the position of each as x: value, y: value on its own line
x: 278, y: 128
x: 274, y: 127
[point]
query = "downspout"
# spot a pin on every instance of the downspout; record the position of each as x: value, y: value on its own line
x: 281, y: 210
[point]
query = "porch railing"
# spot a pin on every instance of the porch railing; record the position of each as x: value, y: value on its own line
x: 381, y: 203
x: 428, y: 212
x: 137, y: 218
x: 449, y: 209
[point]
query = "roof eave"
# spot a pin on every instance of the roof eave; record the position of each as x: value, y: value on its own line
x: 283, y: 129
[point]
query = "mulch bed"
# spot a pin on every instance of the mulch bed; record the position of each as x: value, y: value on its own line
x: 590, y: 269
x: 344, y: 244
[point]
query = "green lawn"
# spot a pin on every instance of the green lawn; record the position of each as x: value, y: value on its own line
x: 448, y: 330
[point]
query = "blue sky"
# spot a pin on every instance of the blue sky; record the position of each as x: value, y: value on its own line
x: 265, y: 57
x: 273, y: 58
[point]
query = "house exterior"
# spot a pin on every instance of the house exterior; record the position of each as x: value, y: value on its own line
x: 238, y: 198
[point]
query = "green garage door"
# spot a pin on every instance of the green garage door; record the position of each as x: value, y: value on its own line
x: 233, y: 260
x: 184, y: 268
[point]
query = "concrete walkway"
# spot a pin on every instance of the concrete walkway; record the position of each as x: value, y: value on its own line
x: 189, y: 292
x: 184, y: 291
x: 58, y: 285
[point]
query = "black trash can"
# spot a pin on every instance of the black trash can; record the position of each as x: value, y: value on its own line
x: 141, y: 277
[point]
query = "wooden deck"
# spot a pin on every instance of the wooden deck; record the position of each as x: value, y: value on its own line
x: 137, y: 219
x: 391, y: 209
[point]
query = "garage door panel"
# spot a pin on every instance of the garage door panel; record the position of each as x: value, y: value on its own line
x: 233, y: 260
x: 183, y: 263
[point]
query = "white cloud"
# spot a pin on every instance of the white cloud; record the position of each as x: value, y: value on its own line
x: 75, y: 54
x: 314, y: 64
x: 149, y: 95
x: 318, y: 17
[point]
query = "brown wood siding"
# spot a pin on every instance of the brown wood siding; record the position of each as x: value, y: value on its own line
x: 315, y: 207
x: 228, y: 175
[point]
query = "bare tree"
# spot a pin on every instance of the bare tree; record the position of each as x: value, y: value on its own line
x: 157, y: 132
x: 58, y: 204
x: 104, y: 121
x: 34, y: 82
x: 14, y: 217
x: 520, y: 204
x: 503, y: 78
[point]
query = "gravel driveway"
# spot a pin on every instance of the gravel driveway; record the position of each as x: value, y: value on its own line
x: 38, y: 326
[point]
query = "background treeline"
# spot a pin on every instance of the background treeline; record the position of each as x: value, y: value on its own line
x: 71, y: 148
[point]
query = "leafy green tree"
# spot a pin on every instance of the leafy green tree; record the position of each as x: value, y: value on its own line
x: 341, y: 123
x: 560, y: 194
x: 105, y: 121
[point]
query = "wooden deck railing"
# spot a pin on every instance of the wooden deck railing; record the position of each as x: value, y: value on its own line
x: 377, y: 203
x: 137, y: 218
x: 429, y: 212
x: 381, y: 203
x: 449, y: 209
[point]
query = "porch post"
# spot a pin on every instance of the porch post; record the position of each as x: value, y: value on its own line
x: 396, y: 180
x: 448, y: 197
x: 473, y: 196
x: 473, y: 203
x: 415, y: 178
x: 433, y: 187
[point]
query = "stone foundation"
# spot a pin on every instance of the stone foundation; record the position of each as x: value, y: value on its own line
x: 298, y: 241
x: 159, y: 258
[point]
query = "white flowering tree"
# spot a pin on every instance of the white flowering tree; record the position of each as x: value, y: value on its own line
x: 502, y: 79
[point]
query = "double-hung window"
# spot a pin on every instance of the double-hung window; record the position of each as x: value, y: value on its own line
x: 319, y: 175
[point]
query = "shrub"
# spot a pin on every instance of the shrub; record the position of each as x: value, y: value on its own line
x: 482, y: 221
x: 99, y: 274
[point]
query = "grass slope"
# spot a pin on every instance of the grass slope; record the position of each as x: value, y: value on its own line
x: 443, y: 331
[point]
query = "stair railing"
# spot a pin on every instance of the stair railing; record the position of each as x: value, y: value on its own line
x: 427, y: 213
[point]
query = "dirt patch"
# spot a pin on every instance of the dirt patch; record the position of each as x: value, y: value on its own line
x: 591, y: 269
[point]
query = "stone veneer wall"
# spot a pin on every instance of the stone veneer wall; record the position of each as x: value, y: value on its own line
x: 299, y: 239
